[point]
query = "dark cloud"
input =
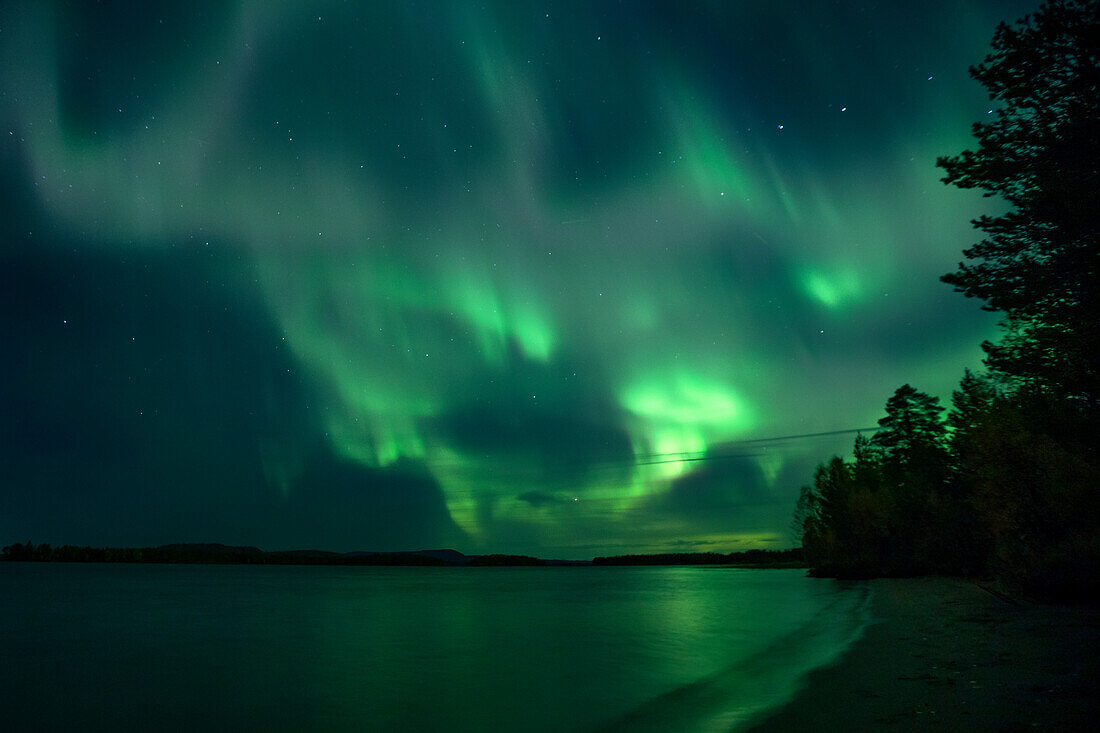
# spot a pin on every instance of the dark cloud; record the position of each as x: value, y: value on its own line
x: 727, y: 493
x: 691, y: 545
x: 146, y: 395
x: 343, y: 505
x: 535, y: 426
x: 716, y: 489
x: 540, y: 498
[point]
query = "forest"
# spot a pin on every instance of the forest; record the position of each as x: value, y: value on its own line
x: 1005, y: 482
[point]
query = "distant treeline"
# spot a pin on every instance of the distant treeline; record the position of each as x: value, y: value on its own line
x: 1009, y: 484
x: 766, y: 558
x: 218, y: 554
x: 214, y: 554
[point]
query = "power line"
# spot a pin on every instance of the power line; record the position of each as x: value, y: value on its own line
x: 812, y: 435
x: 674, y: 457
x: 653, y: 459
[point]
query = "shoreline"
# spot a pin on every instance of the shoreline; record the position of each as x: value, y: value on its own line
x: 216, y: 553
x: 945, y: 653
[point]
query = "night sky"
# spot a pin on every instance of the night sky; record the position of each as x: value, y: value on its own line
x: 527, y: 277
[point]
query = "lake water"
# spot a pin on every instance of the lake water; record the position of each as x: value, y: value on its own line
x: 205, y: 647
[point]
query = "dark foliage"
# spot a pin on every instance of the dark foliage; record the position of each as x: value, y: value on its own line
x: 1010, y: 486
x: 1040, y: 260
x: 213, y: 554
x: 889, y: 509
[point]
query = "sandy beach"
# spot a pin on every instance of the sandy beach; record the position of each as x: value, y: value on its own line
x: 945, y: 653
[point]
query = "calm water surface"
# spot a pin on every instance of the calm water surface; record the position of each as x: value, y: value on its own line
x: 186, y: 647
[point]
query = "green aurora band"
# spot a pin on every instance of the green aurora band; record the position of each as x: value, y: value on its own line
x: 563, y: 258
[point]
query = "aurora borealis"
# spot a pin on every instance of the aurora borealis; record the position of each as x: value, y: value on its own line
x: 540, y: 278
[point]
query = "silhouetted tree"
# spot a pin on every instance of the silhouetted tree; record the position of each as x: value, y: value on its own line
x: 1023, y: 438
x: 912, y: 428
x: 867, y: 464
x: 19, y: 551
x: 888, y: 510
x: 914, y: 467
x: 1040, y: 261
x: 806, y: 518
x: 1014, y: 486
x: 1035, y: 505
x: 825, y: 530
x: 974, y: 405
x: 970, y: 403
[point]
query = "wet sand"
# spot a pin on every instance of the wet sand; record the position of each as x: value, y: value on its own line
x: 946, y: 654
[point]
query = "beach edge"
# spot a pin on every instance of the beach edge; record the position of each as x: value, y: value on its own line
x: 944, y: 652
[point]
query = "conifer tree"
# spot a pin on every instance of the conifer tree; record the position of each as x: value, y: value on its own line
x: 1040, y: 261
x: 912, y: 428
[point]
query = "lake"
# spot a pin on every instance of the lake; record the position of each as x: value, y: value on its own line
x: 211, y: 647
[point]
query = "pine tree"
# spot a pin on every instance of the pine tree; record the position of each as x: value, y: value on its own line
x: 1039, y: 261
x: 970, y: 401
x: 912, y: 428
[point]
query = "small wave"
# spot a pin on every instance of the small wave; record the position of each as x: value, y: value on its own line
x: 733, y: 697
